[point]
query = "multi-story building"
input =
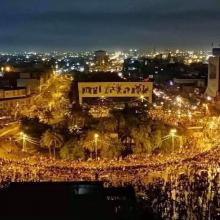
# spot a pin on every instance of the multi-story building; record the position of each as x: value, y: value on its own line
x: 101, y: 57
x: 17, y: 86
x: 30, y: 78
x: 12, y: 98
x: 213, y: 87
x: 100, y: 62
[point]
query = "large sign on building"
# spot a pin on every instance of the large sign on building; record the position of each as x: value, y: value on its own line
x: 115, y: 89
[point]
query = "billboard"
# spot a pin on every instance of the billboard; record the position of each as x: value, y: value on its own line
x: 115, y: 89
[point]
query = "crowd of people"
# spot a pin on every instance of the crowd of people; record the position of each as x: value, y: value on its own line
x: 193, y: 193
x: 176, y: 118
x: 182, y: 185
x: 194, y: 196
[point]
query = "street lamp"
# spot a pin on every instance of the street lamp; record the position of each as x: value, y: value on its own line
x: 142, y: 98
x: 172, y: 134
x: 96, y: 136
x: 7, y: 68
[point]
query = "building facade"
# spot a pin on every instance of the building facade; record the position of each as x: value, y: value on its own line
x: 213, y: 87
x: 10, y: 99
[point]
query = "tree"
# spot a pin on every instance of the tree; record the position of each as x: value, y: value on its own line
x: 120, y: 120
x: 90, y: 144
x: 47, y: 116
x: 78, y: 153
x: 65, y: 152
x: 141, y: 136
x: 156, y: 138
x: 106, y: 144
x: 76, y: 116
x: 112, y: 149
x: 106, y: 125
x: 52, y: 103
x: 72, y: 150
x: 33, y: 127
x: 52, y: 140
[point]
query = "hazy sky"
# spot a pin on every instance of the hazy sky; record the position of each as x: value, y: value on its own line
x: 114, y: 24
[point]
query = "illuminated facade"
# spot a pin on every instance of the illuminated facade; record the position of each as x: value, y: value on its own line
x: 213, y: 87
x: 115, y: 89
x: 13, y: 98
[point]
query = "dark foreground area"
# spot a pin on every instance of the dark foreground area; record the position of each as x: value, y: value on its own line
x: 70, y: 200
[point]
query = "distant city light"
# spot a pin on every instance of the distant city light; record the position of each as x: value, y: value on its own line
x: 171, y: 83
x: 7, y: 68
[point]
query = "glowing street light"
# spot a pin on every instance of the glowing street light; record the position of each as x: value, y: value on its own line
x: 25, y: 138
x: 173, y: 132
x: 7, y: 68
x: 142, y: 98
x: 96, y: 136
x: 172, y: 135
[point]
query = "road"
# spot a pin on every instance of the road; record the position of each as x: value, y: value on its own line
x: 10, y: 130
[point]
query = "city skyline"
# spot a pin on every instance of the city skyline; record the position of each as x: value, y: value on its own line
x: 110, y: 109
x: 80, y: 25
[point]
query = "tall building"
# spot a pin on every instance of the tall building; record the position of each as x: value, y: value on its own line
x: 101, y: 62
x: 213, y: 88
x: 101, y: 57
x: 132, y: 69
x: 216, y: 51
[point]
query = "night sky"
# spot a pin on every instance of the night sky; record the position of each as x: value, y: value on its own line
x: 45, y: 25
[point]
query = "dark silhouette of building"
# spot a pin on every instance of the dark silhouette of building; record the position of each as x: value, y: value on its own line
x: 69, y: 200
x: 216, y: 52
x: 101, y: 57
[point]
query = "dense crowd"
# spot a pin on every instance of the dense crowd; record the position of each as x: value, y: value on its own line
x: 187, y: 196
x: 188, y: 190
x: 183, y: 185
x: 174, y: 119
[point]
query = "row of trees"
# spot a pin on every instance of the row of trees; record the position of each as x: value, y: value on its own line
x: 74, y: 138
x: 51, y: 105
x: 105, y: 147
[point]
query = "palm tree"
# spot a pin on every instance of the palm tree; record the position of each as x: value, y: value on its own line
x: 52, y: 140
x: 141, y: 136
